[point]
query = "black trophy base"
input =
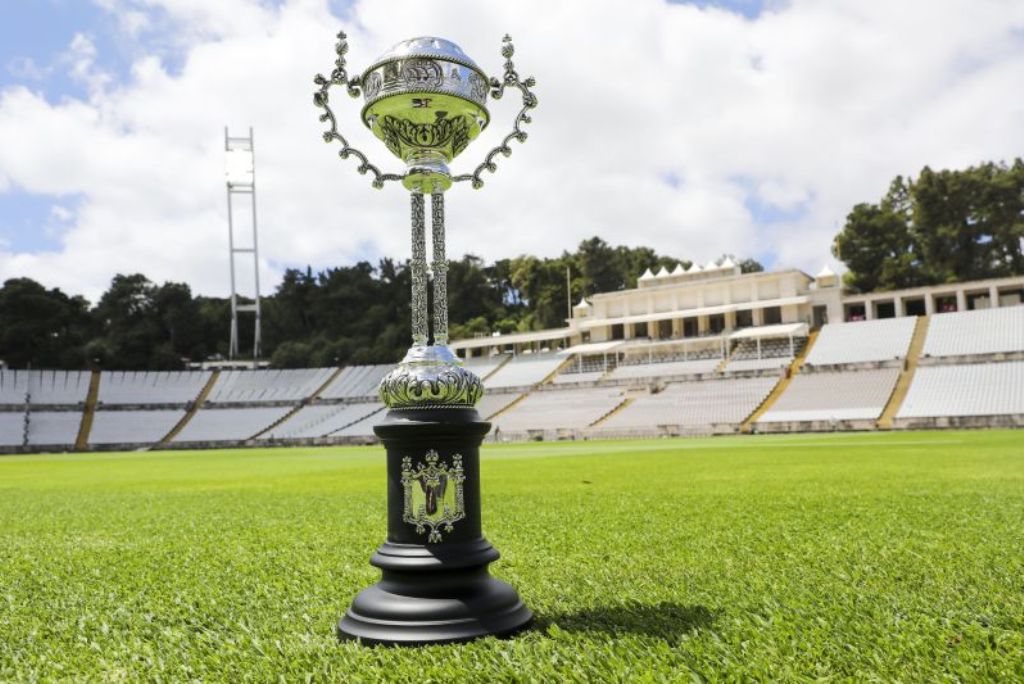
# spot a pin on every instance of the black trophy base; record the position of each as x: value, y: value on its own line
x: 434, y: 592
x: 437, y: 600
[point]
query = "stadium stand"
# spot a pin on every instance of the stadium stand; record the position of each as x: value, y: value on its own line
x: 46, y: 387
x: 12, y: 427
x: 862, y: 342
x: 238, y: 386
x: 985, y: 331
x: 983, y: 389
x: 356, y: 382
x: 578, y: 377
x: 363, y: 428
x: 482, y: 367
x: 834, y: 396
x: 664, y: 369
x: 526, y: 370
x: 693, y: 404
x: 150, y: 387
x: 56, y: 429
x: 321, y: 420
x: 555, y: 409
x: 132, y: 427
x: 229, y: 424
x: 773, y: 354
x: 492, y: 402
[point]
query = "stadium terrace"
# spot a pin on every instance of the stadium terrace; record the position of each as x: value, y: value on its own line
x: 687, y: 352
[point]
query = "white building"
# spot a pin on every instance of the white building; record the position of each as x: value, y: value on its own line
x: 704, y: 312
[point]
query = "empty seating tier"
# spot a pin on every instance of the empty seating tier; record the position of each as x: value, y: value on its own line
x: 986, y: 331
x: 356, y: 382
x: 132, y: 427
x: 362, y: 428
x: 51, y: 387
x: 482, y: 367
x: 57, y: 429
x: 321, y: 420
x: 491, y: 403
x: 758, y: 364
x: 839, y: 395
x: 231, y: 424
x: 694, y: 404
x: 150, y: 387
x: 985, y: 389
x: 576, y: 378
x: 862, y: 342
x: 526, y: 370
x: 550, y: 410
x: 665, y: 369
x: 12, y: 428
x: 267, y: 385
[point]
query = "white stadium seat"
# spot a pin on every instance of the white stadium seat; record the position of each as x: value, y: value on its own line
x: 150, y: 387
x: 569, y: 408
x: 321, y: 420
x: 357, y: 382
x: 526, y: 370
x: 51, y: 387
x: 133, y: 427
x: 54, y: 428
x: 862, y: 341
x: 235, y: 386
x: 985, y: 331
x: 665, y: 369
x: 834, y: 395
x: 984, y: 389
x: 694, y: 404
x: 230, y: 424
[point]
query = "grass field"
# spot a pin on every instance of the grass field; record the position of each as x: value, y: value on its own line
x: 851, y: 556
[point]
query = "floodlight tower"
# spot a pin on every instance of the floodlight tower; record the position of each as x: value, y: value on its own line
x: 240, y: 177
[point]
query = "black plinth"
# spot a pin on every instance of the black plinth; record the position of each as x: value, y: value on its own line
x: 434, y: 592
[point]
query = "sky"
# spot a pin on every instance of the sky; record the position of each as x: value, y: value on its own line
x: 697, y: 128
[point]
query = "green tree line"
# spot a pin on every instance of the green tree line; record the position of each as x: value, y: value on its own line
x: 941, y: 227
x: 346, y: 315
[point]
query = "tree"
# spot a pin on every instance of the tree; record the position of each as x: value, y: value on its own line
x: 43, y: 328
x: 945, y: 226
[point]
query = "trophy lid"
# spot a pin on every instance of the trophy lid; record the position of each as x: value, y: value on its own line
x: 427, y: 47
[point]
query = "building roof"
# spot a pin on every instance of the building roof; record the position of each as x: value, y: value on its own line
x: 687, y: 313
x: 780, y: 330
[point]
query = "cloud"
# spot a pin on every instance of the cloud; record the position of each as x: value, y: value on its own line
x: 659, y: 125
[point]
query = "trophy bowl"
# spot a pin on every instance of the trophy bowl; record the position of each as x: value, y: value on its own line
x: 426, y: 100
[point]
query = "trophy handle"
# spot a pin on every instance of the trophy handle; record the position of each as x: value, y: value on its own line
x: 511, y: 78
x: 320, y: 98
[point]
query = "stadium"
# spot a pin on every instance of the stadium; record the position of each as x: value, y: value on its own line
x: 708, y: 351
x: 798, y: 461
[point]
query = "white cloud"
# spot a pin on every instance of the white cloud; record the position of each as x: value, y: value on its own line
x: 812, y: 107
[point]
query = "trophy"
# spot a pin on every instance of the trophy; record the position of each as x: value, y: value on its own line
x: 427, y: 100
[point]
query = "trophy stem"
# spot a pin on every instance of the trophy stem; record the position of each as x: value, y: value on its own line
x: 419, y: 272
x: 440, y: 269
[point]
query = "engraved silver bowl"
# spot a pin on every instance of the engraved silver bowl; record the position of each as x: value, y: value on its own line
x: 426, y: 100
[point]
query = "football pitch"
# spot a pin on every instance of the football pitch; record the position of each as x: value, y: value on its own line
x: 877, y: 556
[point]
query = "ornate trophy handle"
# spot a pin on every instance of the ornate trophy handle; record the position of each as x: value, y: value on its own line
x: 320, y: 98
x: 511, y: 78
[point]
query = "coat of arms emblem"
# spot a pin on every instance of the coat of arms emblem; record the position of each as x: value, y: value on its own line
x: 433, y: 494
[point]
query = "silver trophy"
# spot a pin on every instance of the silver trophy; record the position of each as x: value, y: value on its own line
x: 427, y: 100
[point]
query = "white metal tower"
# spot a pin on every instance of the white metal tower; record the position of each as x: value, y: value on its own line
x: 241, y: 180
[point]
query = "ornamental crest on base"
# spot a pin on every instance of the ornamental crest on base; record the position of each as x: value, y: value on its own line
x: 433, y: 494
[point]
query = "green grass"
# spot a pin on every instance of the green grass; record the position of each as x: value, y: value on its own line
x: 839, y: 557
